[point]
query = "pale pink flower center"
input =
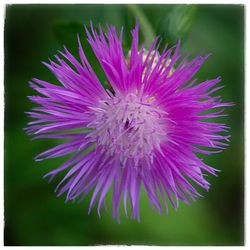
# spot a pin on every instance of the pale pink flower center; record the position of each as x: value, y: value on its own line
x: 130, y: 126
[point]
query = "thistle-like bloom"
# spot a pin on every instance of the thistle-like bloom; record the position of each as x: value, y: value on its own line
x: 144, y: 130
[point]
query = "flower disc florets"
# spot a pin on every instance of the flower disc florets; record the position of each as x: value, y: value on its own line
x: 130, y: 126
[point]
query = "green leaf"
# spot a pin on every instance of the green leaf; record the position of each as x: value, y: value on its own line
x: 178, y: 22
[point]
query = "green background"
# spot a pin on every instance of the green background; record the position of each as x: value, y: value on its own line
x: 33, y: 214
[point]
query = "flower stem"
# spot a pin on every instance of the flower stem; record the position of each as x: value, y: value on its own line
x: 146, y: 27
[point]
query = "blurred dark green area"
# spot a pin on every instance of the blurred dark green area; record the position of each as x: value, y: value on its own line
x: 33, y: 214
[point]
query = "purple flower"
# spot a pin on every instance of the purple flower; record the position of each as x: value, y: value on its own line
x: 145, y: 130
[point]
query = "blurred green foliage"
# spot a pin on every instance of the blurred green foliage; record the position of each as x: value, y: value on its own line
x: 33, y: 214
x: 178, y: 22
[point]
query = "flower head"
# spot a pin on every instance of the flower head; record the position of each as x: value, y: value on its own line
x: 145, y: 130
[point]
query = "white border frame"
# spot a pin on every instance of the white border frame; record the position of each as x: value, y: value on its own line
x: 3, y: 4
